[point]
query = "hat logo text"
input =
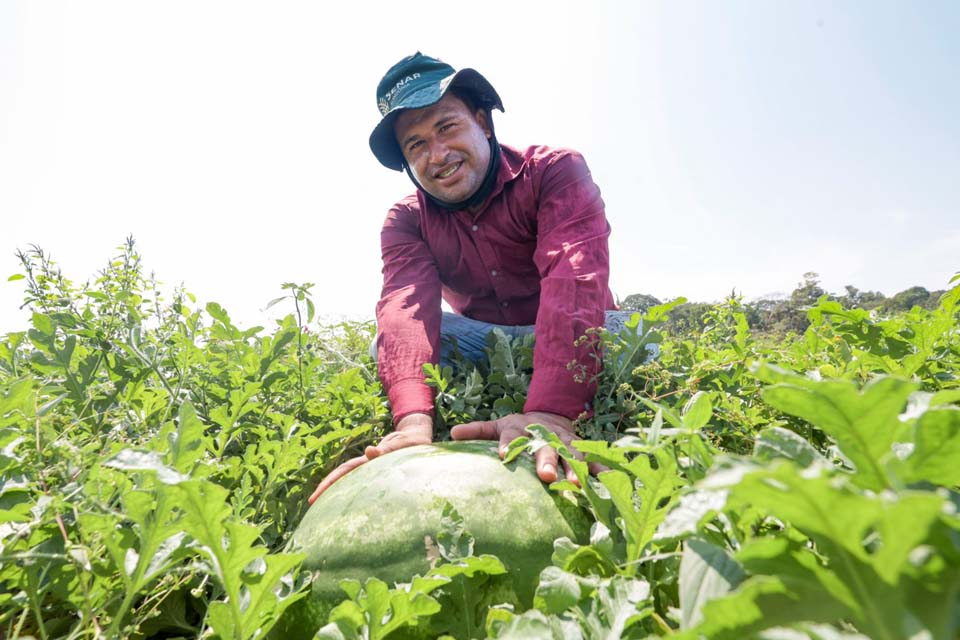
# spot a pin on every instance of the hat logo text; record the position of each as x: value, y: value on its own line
x: 385, y: 101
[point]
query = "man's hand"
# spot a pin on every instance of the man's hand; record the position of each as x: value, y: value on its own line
x: 507, y: 428
x: 414, y: 429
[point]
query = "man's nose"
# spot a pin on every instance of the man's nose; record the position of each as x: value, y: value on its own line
x: 438, y: 152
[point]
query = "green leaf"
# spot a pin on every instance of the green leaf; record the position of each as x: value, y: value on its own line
x: 822, y: 507
x: 254, y: 599
x: 557, y: 590
x: 616, y: 607
x: 515, y: 448
x: 936, y: 454
x: 187, y: 444
x: 777, y: 442
x: 864, y: 424
x: 133, y: 460
x: 274, y: 302
x: 351, y: 587
x: 221, y: 621
x: 789, y: 586
x: 532, y: 625
x: 595, y: 558
x: 376, y: 611
x: 866, y: 538
x: 453, y: 540
x: 654, y: 489
x: 697, y: 411
x: 159, y: 560
x: 601, y: 451
x: 15, y: 277
x: 653, y: 434
x: 948, y: 397
x: 760, y: 603
x: 339, y: 630
x: 218, y: 313
x: 706, y: 573
x: 469, y: 567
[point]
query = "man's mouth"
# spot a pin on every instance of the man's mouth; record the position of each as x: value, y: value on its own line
x: 449, y: 171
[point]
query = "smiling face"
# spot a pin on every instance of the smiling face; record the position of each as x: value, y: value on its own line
x: 447, y: 147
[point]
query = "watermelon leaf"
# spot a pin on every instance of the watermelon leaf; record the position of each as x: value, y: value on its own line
x: 706, y: 572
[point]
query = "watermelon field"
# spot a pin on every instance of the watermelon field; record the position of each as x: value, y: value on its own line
x: 156, y: 458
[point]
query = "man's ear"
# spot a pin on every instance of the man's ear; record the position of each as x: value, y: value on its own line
x: 482, y: 118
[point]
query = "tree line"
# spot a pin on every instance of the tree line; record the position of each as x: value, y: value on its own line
x: 775, y: 316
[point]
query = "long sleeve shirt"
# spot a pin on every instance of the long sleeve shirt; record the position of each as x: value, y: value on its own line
x: 535, y: 252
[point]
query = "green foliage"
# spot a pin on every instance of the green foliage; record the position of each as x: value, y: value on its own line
x: 779, y: 317
x: 484, y: 391
x: 639, y: 302
x: 155, y: 458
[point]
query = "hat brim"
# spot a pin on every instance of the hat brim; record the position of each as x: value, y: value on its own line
x: 383, y: 141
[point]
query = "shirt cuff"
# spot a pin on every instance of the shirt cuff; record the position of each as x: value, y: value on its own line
x: 553, y: 390
x: 410, y: 396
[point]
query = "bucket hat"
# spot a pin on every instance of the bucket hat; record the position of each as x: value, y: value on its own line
x: 415, y: 82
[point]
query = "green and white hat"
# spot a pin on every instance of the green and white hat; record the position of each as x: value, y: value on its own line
x: 415, y: 82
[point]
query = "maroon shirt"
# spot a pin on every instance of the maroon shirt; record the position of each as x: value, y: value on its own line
x: 535, y: 252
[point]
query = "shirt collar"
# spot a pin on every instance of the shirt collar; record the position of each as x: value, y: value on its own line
x: 511, y: 165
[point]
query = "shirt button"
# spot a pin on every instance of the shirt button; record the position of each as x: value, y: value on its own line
x: 504, y: 304
x: 474, y: 227
x: 494, y: 273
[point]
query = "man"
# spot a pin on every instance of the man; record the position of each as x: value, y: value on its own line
x: 508, y: 237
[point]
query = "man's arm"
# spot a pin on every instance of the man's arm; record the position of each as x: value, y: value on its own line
x: 573, y: 262
x: 408, y: 314
x: 408, y: 335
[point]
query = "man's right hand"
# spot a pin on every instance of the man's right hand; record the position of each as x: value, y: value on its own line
x: 413, y: 429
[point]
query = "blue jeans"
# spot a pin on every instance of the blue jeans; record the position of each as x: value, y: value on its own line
x: 471, y: 335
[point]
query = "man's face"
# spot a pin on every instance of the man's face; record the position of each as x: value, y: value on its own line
x: 447, y: 147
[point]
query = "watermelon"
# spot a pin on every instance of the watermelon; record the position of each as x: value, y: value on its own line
x: 381, y: 520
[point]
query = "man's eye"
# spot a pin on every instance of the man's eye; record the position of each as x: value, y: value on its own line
x: 447, y: 126
x: 414, y: 145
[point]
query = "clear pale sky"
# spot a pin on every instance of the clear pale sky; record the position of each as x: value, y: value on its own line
x: 736, y: 144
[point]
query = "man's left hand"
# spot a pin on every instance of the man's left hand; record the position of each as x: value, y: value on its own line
x: 512, y: 426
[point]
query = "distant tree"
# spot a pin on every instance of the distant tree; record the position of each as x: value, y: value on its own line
x: 912, y: 297
x: 639, y: 302
x: 855, y: 298
x: 777, y: 317
x: 764, y: 314
x: 808, y: 291
x: 688, y: 317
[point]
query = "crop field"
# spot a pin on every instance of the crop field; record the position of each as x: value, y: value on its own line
x: 155, y: 460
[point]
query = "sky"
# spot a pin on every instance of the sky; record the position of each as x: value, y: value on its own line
x: 737, y: 145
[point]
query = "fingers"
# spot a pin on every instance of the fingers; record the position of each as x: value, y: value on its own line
x: 386, y: 446
x: 546, y: 459
x: 335, y: 475
x: 596, y: 467
x: 397, y: 440
x: 508, y: 428
x: 478, y: 430
x: 503, y: 430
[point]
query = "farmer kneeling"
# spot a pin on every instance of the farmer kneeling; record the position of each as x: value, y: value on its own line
x: 514, y: 238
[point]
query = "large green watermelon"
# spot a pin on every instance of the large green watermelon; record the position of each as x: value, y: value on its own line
x: 380, y: 519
